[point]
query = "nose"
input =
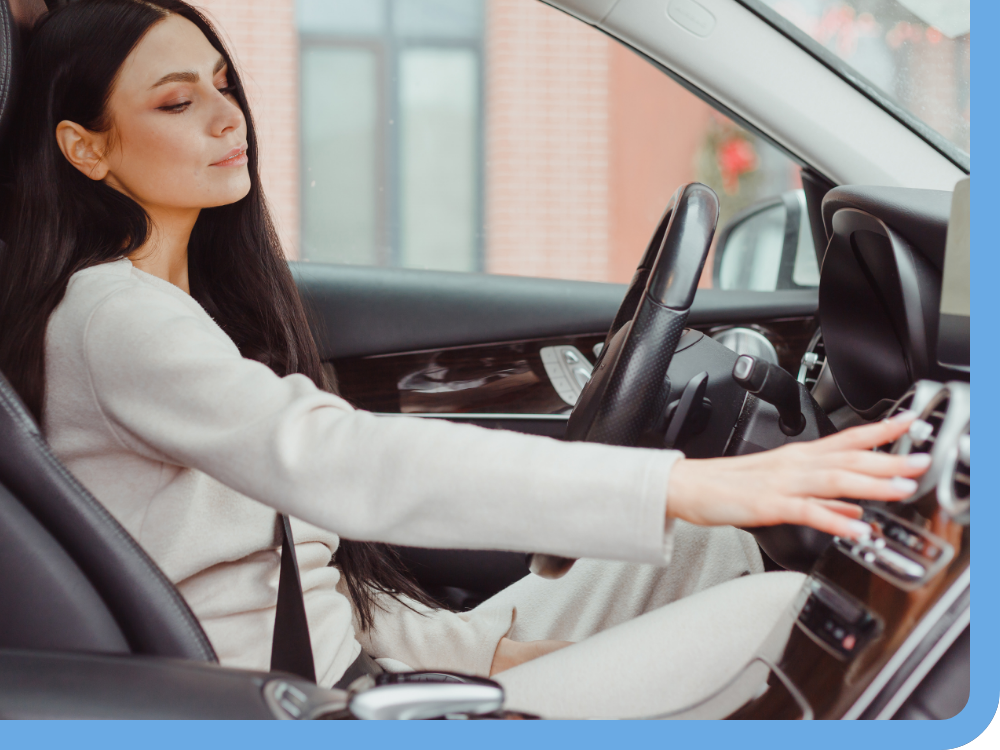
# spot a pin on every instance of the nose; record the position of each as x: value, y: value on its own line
x: 227, y: 116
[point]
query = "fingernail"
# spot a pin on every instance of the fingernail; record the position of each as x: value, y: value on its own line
x: 903, y: 485
x: 860, y: 530
x: 904, y: 416
x: 919, y: 460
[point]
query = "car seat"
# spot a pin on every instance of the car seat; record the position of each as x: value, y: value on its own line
x: 70, y: 576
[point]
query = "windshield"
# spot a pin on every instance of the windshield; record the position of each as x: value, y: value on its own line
x: 914, y: 53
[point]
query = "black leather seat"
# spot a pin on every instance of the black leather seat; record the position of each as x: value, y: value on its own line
x: 71, y: 578
x: 72, y: 551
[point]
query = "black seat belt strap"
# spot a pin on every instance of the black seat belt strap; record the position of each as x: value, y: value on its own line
x: 291, y: 649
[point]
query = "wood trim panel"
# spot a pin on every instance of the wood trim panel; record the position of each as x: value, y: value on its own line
x: 502, y: 378
x: 833, y: 686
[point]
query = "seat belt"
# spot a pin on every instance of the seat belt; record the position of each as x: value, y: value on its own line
x: 291, y: 648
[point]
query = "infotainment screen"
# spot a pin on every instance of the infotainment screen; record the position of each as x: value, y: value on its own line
x: 953, y: 329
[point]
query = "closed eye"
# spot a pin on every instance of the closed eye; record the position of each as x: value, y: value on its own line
x: 228, y: 90
x: 179, y: 107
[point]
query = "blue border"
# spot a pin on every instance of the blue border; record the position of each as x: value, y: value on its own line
x: 515, y: 735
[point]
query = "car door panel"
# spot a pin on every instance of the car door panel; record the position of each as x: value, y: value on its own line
x: 468, y: 346
x: 360, y: 311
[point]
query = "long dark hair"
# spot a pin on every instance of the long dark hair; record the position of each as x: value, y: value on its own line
x: 60, y: 222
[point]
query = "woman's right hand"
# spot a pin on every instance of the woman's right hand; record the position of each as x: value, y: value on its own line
x: 798, y: 483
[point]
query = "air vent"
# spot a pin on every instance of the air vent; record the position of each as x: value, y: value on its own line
x: 904, y: 404
x: 814, y: 374
x: 812, y: 361
x: 924, y: 431
x: 942, y: 430
x: 955, y: 490
x: 962, y: 479
x: 916, y: 400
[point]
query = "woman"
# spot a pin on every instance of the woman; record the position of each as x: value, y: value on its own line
x: 150, y: 323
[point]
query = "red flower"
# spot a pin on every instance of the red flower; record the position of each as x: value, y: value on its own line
x: 736, y: 157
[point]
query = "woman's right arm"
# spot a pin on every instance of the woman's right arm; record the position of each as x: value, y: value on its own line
x: 173, y: 387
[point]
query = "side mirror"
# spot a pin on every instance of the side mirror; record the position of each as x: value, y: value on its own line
x: 767, y: 247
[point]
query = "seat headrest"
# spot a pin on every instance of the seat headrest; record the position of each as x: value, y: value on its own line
x: 16, y: 19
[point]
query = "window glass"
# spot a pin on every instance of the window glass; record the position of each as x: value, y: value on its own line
x: 457, y: 19
x: 497, y: 136
x: 805, y: 271
x: 915, y: 52
x: 753, y: 252
x: 768, y: 246
x: 340, y: 16
x: 439, y: 159
x: 340, y: 215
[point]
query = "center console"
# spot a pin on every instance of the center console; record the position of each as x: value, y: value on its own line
x: 875, y: 616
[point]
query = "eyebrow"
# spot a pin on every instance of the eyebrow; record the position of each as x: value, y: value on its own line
x: 188, y: 76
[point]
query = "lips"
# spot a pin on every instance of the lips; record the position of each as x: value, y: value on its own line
x: 235, y: 158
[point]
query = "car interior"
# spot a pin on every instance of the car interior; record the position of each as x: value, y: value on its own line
x: 93, y: 629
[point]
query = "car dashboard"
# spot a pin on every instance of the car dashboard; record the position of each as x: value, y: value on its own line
x: 876, y: 617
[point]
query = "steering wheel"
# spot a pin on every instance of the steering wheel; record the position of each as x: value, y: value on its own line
x: 628, y: 391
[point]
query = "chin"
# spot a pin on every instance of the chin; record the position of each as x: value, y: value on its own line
x: 233, y: 193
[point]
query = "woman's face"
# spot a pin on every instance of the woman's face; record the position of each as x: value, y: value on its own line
x: 178, y: 136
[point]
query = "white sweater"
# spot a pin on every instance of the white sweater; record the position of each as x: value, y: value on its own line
x: 193, y: 448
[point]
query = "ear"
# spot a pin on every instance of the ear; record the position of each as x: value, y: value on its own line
x: 83, y: 149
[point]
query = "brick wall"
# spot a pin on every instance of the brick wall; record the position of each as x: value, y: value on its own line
x: 547, y: 143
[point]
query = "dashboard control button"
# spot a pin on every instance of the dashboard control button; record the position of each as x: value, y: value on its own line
x: 835, y: 620
x: 904, y: 554
x: 900, y: 565
x: 568, y: 371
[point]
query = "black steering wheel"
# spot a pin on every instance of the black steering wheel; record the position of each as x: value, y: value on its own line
x: 628, y: 391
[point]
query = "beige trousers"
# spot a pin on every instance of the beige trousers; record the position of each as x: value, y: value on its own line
x: 647, y: 640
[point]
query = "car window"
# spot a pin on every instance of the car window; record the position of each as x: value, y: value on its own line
x: 914, y: 54
x: 497, y: 136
